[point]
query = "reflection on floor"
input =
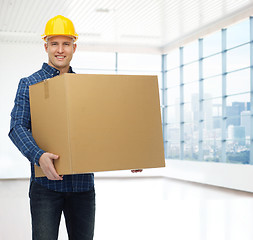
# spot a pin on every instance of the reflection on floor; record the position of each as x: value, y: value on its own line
x: 144, y: 209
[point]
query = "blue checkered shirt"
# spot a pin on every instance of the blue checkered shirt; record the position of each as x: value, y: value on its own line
x: 21, y: 135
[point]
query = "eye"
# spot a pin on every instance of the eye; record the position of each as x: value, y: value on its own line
x: 66, y: 44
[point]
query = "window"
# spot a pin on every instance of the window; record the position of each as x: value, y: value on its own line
x: 212, y: 44
x: 238, y: 34
x: 209, y: 104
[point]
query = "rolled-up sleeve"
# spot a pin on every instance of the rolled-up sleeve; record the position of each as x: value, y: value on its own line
x: 20, y: 127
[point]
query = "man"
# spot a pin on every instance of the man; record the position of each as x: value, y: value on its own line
x: 74, y: 195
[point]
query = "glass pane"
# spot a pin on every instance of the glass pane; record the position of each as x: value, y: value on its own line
x: 235, y: 106
x: 217, y: 107
x: 212, y: 108
x: 212, y: 44
x: 212, y: 87
x: 173, y: 132
x: 212, y: 66
x: 188, y: 113
x: 93, y: 60
x: 191, y: 136
x: 238, y: 150
x: 148, y: 62
x: 212, y: 128
x: 238, y: 82
x: 242, y: 98
x: 191, y: 52
x: 245, y: 122
x: 173, y: 114
x: 208, y: 109
x: 191, y: 92
x: 173, y: 59
x: 236, y: 133
x: 173, y: 77
x: 191, y: 72
x: 212, y: 150
x: 173, y: 150
x: 189, y: 130
x: 191, y: 150
x: 173, y: 95
x: 238, y: 34
x: 238, y: 58
x: 234, y: 120
x: 195, y: 108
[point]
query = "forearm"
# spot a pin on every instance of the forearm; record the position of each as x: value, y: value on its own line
x: 24, y: 141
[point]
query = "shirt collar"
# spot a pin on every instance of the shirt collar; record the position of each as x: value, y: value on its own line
x: 53, y: 71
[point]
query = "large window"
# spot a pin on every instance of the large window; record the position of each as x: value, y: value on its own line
x: 208, y: 106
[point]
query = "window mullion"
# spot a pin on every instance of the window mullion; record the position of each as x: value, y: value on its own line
x: 224, y: 95
x: 251, y: 90
x: 181, y: 104
x: 201, y: 97
x: 164, y: 102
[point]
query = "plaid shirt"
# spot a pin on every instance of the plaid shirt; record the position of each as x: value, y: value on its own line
x: 21, y: 135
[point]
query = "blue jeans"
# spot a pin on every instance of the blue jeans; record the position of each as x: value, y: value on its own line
x: 46, y: 209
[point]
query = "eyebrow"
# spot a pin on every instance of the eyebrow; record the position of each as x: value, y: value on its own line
x: 63, y: 42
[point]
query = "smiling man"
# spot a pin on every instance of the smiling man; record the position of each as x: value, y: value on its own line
x: 60, y: 50
x: 74, y: 195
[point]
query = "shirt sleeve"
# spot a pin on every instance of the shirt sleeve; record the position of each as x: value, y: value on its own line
x: 20, y: 129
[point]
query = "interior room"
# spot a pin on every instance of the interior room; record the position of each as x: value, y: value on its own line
x: 202, y: 53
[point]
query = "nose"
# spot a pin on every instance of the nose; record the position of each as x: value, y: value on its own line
x: 60, y: 48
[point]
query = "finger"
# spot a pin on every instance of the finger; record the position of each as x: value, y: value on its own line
x: 136, y: 170
x: 53, y: 156
x: 53, y: 174
x: 56, y: 176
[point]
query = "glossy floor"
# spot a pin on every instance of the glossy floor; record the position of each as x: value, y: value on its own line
x: 144, y: 209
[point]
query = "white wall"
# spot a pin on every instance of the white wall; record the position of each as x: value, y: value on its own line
x: 16, y: 61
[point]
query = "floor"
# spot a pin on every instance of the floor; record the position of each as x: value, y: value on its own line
x: 143, y: 208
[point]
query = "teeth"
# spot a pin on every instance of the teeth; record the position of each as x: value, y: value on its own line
x: 60, y: 57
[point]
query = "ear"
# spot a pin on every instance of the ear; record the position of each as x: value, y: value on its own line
x: 74, y: 47
x: 46, y: 47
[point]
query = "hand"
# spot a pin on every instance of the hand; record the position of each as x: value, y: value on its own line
x: 46, y: 162
x: 136, y: 170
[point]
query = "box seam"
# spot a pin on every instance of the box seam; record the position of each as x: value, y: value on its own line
x: 68, y: 123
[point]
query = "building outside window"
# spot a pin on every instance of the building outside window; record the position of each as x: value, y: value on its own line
x: 209, y: 96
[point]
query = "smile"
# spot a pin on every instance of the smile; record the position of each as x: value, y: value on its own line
x: 60, y: 57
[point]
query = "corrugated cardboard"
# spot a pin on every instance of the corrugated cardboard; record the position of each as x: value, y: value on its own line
x: 98, y: 122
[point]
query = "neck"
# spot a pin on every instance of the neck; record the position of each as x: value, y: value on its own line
x: 62, y: 70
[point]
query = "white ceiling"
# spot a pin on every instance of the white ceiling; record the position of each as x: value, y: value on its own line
x: 122, y: 25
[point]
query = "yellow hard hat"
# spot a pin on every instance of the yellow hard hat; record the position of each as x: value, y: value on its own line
x: 60, y: 25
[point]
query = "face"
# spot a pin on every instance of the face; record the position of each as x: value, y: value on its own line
x: 60, y: 51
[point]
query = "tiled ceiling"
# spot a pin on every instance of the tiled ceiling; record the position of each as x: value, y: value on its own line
x: 122, y: 25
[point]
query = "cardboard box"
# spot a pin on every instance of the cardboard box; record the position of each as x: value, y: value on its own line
x: 98, y: 122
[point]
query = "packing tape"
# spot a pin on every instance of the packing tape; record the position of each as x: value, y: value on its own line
x: 46, y: 89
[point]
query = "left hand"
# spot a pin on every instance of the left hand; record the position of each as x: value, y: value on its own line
x: 136, y: 170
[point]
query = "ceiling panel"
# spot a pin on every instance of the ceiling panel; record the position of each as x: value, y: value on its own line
x: 130, y: 25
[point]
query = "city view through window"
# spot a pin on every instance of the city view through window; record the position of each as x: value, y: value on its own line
x: 208, y: 98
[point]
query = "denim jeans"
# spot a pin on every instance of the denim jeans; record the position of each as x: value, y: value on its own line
x: 46, y: 209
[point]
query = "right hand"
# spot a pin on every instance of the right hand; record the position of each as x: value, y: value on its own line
x: 46, y: 162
